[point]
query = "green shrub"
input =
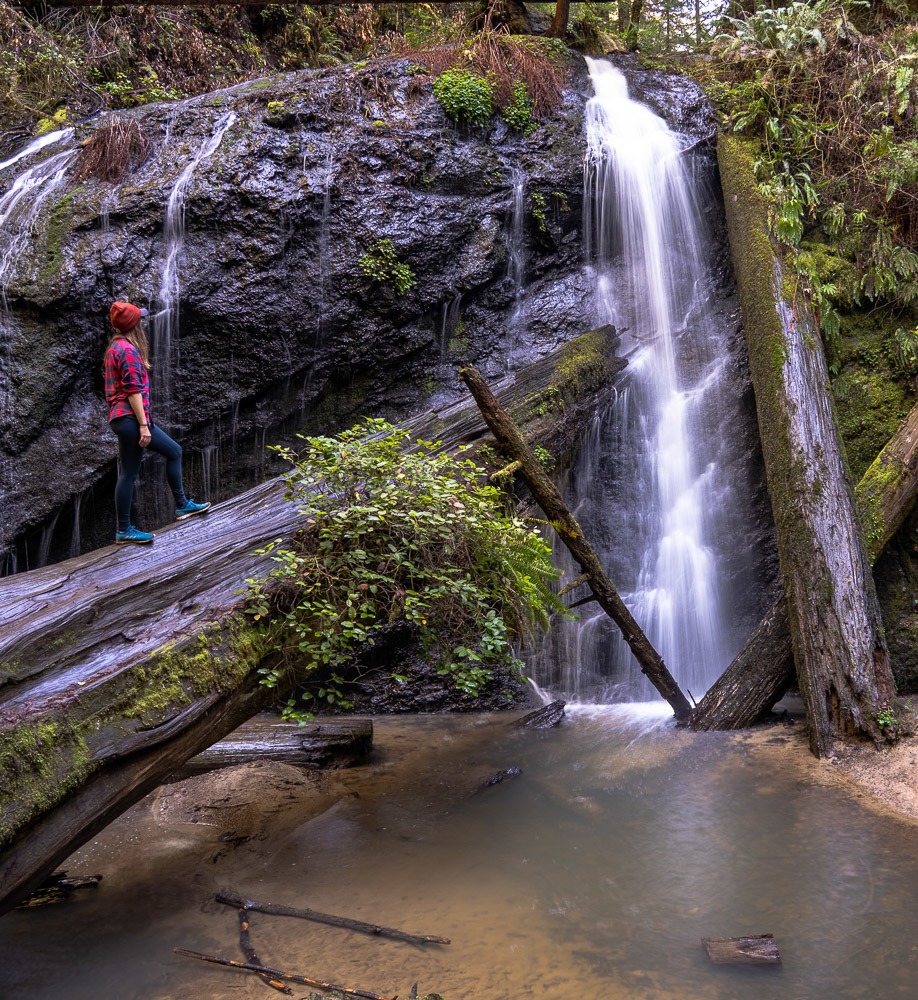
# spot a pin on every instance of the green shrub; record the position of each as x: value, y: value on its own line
x: 381, y: 264
x: 466, y: 97
x: 393, y: 535
x: 518, y: 113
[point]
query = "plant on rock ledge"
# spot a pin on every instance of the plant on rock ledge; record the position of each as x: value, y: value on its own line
x: 393, y: 535
x: 381, y: 264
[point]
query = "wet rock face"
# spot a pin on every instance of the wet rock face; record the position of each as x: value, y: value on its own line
x: 276, y: 326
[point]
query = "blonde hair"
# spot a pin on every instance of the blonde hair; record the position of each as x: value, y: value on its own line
x: 138, y: 338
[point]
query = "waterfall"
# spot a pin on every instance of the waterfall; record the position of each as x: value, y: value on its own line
x: 166, y: 320
x: 516, y: 260
x: 651, y: 479
x: 20, y: 209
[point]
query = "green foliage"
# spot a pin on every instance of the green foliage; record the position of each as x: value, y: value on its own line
x: 537, y: 206
x: 466, y: 97
x: 886, y: 719
x: 518, y: 113
x: 381, y: 264
x: 392, y: 535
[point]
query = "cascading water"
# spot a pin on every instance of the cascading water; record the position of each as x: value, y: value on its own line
x: 516, y: 261
x: 166, y: 320
x: 651, y: 479
x: 20, y: 209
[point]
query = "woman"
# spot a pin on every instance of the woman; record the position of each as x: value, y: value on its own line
x: 127, y: 392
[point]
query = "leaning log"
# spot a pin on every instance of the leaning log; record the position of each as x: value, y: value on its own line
x: 327, y: 743
x: 546, y: 495
x: 118, y: 666
x: 764, y: 669
x: 836, y: 630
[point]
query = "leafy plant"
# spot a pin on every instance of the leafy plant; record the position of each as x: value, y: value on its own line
x: 392, y: 535
x: 466, y: 97
x: 518, y: 113
x: 886, y: 718
x: 381, y: 264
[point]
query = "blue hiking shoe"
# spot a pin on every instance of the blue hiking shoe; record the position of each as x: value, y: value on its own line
x: 190, y: 508
x: 133, y: 536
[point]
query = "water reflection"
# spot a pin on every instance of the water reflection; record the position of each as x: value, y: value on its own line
x: 594, y: 874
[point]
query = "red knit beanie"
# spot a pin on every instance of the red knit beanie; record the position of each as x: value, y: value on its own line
x: 124, y: 316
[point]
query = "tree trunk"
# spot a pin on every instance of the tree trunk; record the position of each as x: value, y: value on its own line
x: 558, y: 27
x: 835, y: 626
x: 119, y: 665
x: 764, y: 670
x: 510, y: 440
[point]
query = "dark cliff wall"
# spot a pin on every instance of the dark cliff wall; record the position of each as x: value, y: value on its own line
x: 278, y: 328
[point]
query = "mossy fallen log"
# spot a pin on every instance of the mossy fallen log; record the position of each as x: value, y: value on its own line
x: 118, y: 666
x: 764, y: 669
x: 325, y: 743
x: 833, y: 614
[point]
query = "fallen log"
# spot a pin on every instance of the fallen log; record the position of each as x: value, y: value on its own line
x: 546, y: 494
x: 544, y: 717
x: 119, y: 665
x: 304, y: 913
x: 261, y: 970
x: 833, y: 614
x: 764, y: 669
x: 327, y: 743
x: 758, y: 950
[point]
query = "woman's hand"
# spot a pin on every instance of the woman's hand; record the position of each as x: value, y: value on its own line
x: 144, y: 435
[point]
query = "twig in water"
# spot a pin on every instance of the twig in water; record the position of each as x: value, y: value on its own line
x: 233, y: 899
x: 318, y: 984
x: 251, y: 956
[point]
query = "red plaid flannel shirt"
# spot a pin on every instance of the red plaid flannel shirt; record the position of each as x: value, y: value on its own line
x: 125, y: 374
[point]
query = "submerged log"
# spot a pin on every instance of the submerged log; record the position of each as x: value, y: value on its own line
x: 549, y: 499
x: 58, y: 887
x: 833, y: 613
x: 498, y: 778
x: 544, y: 717
x: 758, y: 950
x: 118, y: 666
x: 326, y: 743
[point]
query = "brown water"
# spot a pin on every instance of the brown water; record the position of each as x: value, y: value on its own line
x: 593, y: 875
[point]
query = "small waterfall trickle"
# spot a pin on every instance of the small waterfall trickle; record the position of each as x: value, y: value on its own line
x: 168, y: 295
x: 75, y: 541
x: 324, y: 244
x: 651, y: 481
x: 20, y: 209
x: 516, y: 260
x: 449, y: 323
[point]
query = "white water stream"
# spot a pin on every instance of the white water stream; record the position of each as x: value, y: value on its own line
x: 651, y: 480
x: 20, y: 209
x: 168, y: 296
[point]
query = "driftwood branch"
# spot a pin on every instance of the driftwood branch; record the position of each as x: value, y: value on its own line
x: 546, y: 494
x: 263, y: 970
x: 279, y: 910
x: 764, y: 669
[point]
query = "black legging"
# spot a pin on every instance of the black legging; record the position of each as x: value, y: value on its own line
x: 131, y: 454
